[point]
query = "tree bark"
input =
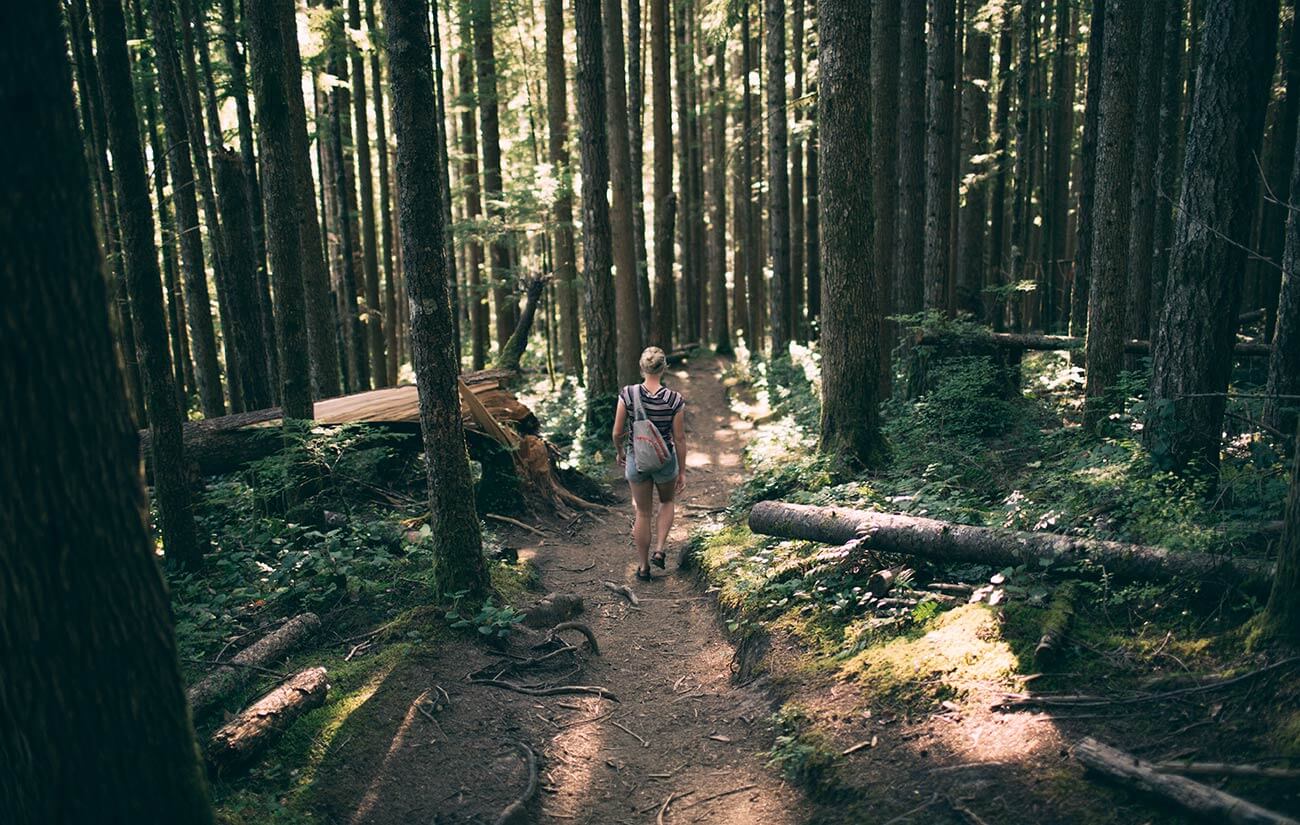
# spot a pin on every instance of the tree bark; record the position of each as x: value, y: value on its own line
x: 1023, y: 177
x: 1169, y: 154
x: 909, y: 293
x: 469, y: 174
x: 778, y: 180
x: 503, y: 293
x: 720, y: 323
x: 385, y: 196
x: 1201, y: 800
x: 203, y: 338
x: 972, y: 220
x: 686, y: 316
x: 959, y: 543
x: 246, y: 331
x: 664, y: 199
x: 997, y: 276
x: 798, y: 283
x: 1059, y: 159
x: 850, y: 420
x: 458, y: 563
x: 636, y: 140
x: 1282, y: 613
x: 1280, y: 412
x: 262, y: 723
x: 282, y: 188
x: 238, y: 89
x: 374, y: 319
x: 171, y: 487
x: 938, y: 151
x: 1279, y: 152
x: 518, y: 342
x: 1192, y: 353
x: 1110, y: 240
x: 1082, y: 287
x: 885, y: 34
x: 1146, y: 128
x: 89, y: 650
x: 627, y: 309
x: 265, y: 652
x: 322, y: 342
x: 565, y: 264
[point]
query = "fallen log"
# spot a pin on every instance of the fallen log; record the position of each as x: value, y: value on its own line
x: 1201, y: 800
x: 948, y: 542
x: 1060, y: 614
x: 1226, y: 769
x: 1060, y: 343
x: 239, y: 741
x: 243, y: 666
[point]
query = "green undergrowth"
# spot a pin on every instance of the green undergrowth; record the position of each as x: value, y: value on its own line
x: 333, y: 524
x: 965, y: 450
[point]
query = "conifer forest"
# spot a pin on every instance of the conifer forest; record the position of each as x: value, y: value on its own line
x: 631, y: 411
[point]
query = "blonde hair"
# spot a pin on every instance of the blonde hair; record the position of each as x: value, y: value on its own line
x: 653, y: 361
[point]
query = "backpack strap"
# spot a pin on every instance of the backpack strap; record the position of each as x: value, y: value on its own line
x: 638, y: 411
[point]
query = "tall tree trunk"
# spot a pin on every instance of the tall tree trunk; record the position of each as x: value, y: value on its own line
x: 1110, y: 241
x: 719, y: 325
x: 885, y: 39
x: 89, y: 652
x: 973, y: 218
x: 238, y: 89
x: 1146, y: 127
x: 1280, y: 411
x: 198, y: 144
x: 458, y: 563
x: 754, y: 331
x: 739, y: 211
x: 593, y: 144
x: 203, y: 338
x: 778, y: 181
x: 140, y: 262
x: 1278, y: 155
x: 485, y: 72
x: 636, y: 139
x: 1169, y: 153
x: 565, y: 264
x: 469, y: 173
x: 798, y: 299
x: 1282, y: 613
x: 282, y: 188
x: 695, y: 129
x: 345, y: 206
x: 664, y: 199
x: 1023, y: 175
x: 687, y: 319
x: 850, y: 420
x: 385, y: 195
x: 1059, y: 152
x: 812, y: 233
x: 444, y: 168
x: 938, y: 150
x: 374, y: 323
x: 241, y: 287
x: 1192, y: 353
x: 997, y: 276
x: 627, y: 307
x: 318, y: 300
x: 1079, y: 293
x: 909, y: 294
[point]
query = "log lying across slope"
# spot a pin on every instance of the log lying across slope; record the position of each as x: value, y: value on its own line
x: 243, y: 668
x: 261, y: 724
x: 1050, y: 343
x: 948, y: 542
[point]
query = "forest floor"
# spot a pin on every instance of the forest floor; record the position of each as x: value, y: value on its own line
x: 736, y: 707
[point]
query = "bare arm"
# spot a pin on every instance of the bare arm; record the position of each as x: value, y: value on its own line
x: 679, y: 440
x: 620, y: 423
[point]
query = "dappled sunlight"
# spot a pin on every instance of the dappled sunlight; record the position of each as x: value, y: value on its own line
x: 573, y: 756
x: 339, y: 712
x: 372, y: 794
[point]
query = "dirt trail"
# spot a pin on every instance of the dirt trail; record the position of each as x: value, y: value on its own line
x: 681, y: 727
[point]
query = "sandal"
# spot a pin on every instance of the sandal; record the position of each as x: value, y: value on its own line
x: 644, y: 574
x: 659, y: 559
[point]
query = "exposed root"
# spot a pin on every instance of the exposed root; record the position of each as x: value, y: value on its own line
x: 581, y: 628
x: 516, y: 812
x: 624, y: 591
x: 557, y: 690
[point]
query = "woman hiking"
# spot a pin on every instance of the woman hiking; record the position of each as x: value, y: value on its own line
x: 662, y: 448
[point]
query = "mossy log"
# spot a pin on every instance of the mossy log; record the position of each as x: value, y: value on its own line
x: 255, y: 729
x: 243, y: 668
x: 1203, y: 801
x: 1060, y: 615
x: 947, y: 542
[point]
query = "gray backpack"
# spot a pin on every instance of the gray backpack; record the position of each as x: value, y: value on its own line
x: 649, y: 449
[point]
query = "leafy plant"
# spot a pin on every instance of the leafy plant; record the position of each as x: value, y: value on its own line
x: 495, y: 623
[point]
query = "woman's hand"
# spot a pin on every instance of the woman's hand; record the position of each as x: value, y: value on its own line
x: 621, y: 457
x: 681, y: 480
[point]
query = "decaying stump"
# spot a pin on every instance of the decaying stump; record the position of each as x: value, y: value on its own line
x: 239, y: 741
x: 1201, y: 800
x: 228, y: 678
x: 947, y: 542
x: 553, y: 609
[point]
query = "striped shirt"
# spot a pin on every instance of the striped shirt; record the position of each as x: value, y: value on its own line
x: 660, y: 408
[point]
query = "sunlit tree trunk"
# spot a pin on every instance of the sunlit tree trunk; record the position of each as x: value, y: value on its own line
x: 971, y: 222
x: 798, y: 282
x: 665, y: 201
x: 1056, y: 211
x: 458, y: 563
x: 636, y: 139
x: 938, y: 151
x: 778, y: 236
x: 557, y: 111
x: 374, y: 323
x: 469, y: 174
x: 720, y: 323
x: 1079, y: 293
x: 385, y: 196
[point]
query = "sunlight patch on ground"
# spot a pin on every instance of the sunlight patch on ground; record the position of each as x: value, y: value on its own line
x: 572, y: 754
x: 371, y: 796
x: 339, y: 712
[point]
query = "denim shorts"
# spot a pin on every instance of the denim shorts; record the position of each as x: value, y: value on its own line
x: 663, y: 475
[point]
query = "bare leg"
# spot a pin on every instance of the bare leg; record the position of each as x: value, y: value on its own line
x: 643, y: 500
x: 667, y: 509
